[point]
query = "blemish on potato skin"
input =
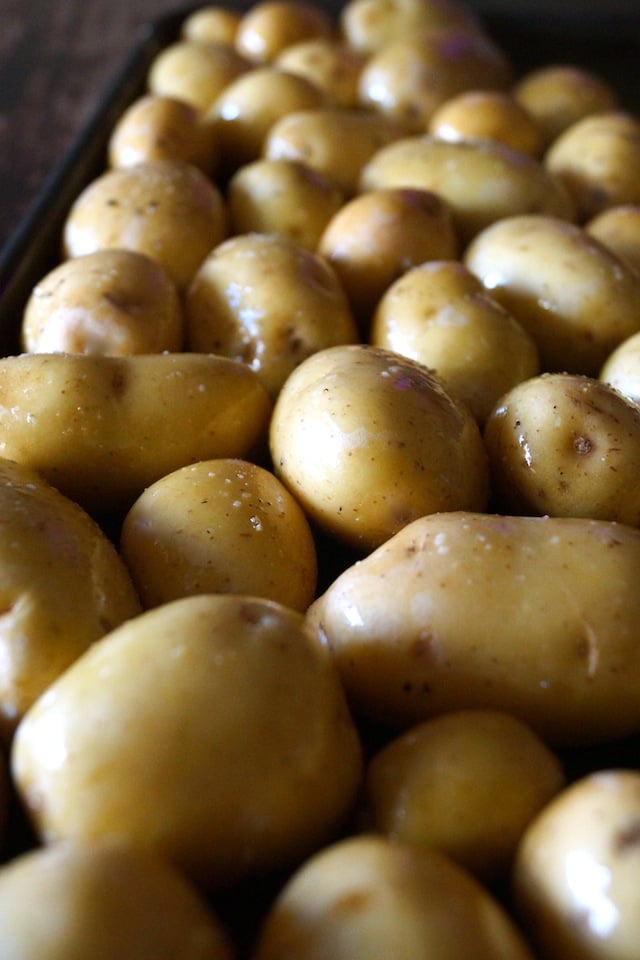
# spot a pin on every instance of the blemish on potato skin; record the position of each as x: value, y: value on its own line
x: 627, y: 839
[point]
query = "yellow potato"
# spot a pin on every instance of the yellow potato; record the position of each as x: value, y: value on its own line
x: 368, y: 440
x: 618, y: 228
x: 329, y: 63
x: 568, y: 446
x: 621, y: 369
x: 487, y: 115
x: 220, y: 526
x: 482, y: 181
x: 439, y: 314
x: 195, y: 72
x: 368, y: 25
x: 212, y: 23
x: 72, y: 901
x: 467, y: 783
x: 115, y: 302
x: 575, y: 297
x: 266, y: 301
x: 212, y: 730
x: 577, y: 873
x: 63, y: 587
x: 269, y: 26
x: 535, y: 616
x: 370, y: 897
x: 101, y: 429
x: 167, y: 209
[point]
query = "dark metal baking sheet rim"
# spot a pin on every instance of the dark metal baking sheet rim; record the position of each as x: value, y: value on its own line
x: 610, y: 46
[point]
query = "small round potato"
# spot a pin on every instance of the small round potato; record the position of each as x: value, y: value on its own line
x: 328, y: 63
x: 167, y: 209
x: 219, y: 526
x: 487, y: 115
x: 270, y: 26
x: 368, y: 896
x: 114, y: 302
x: 368, y: 25
x: 282, y: 196
x: 575, y: 297
x: 268, y: 302
x: 211, y: 24
x: 367, y: 441
x: 212, y: 730
x: 159, y: 127
x: 195, y: 72
x: 467, y: 783
x: 480, y: 180
x: 567, y: 446
x: 598, y: 160
x: 577, y: 874
x: 621, y: 369
x: 377, y: 236
x: 439, y: 314
x: 618, y: 228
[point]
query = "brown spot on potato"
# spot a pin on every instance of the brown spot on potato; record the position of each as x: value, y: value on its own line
x: 354, y: 902
x: 583, y: 446
x: 627, y: 839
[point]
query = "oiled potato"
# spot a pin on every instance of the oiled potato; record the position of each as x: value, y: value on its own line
x: 376, y: 237
x: 159, y: 127
x: 195, y: 72
x: 577, y: 873
x: 568, y: 446
x: 368, y: 440
x: 618, y: 228
x: 330, y: 64
x: 368, y: 896
x: 101, y: 428
x: 212, y: 730
x: 220, y: 526
x: 282, y: 196
x: 482, y: 181
x: 487, y: 115
x: 368, y: 25
x: 64, y: 587
x: 71, y: 901
x: 211, y: 23
x: 467, y: 783
x: 439, y: 314
x: 167, y: 209
x: 115, y: 302
x: 266, y: 301
x: 575, y: 297
x: 270, y: 26
x: 621, y: 369
x: 532, y: 615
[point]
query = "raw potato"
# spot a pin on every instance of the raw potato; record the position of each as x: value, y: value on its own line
x: 220, y: 526
x: 575, y: 297
x: 370, y: 897
x: 467, y: 783
x: 167, y: 209
x: 115, y: 302
x: 487, y: 115
x: 195, y: 72
x: 535, y: 616
x: 621, y: 369
x: 482, y: 181
x: 64, y: 587
x: 368, y: 25
x: 270, y: 26
x: 212, y: 730
x: 266, y: 301
x: 618, y: 228
x: 72, y: 901
x: 329, y: 64
x: 211, y: 24
x: 567, y: 446
x: 101, y: 429
x: 577, y: 874
x: 439, y: 314
x: 367, y: 441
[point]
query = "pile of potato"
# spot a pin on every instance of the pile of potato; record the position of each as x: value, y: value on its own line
x: 320, y: 510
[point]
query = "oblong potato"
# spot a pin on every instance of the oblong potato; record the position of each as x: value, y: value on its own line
x: 368, y: 25
x: 268, y: 27
x: 195, y: 72
x: 101, y: 428
x: 533, y: 615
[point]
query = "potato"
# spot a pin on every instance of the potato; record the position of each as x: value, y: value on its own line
x: 330, y: 64
x: 167, y: 209
x: 195, y: 72
x: 482, y: 181
x: 115, y: 302
x: 621, y: 369
x: 535, y: 616
x: 568, y: 446
x: 368, y: 25
x: 282, y: 196
x: 266, y: 301
x: 376, y: 237
x: 466, y: 783
x: 220, y: 526
x: 618, y: 228
x: 317, y: 138
x: 269, y: 26
x: 439, y: 314
x: 367, y: 441
x: 487, y: 115
x: 71, y: 901
x: 101, y: 429
x: 367, y: 896
x: 598, y: 160
x: 575, y: 297
x: 156, y: 127
x: 211, y: 23
x: 63, y: 587
x: 577, y: 873
x: 212, y: 730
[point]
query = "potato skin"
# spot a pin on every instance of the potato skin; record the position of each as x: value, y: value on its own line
x: 533, y: 615
x: 102, y: 428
